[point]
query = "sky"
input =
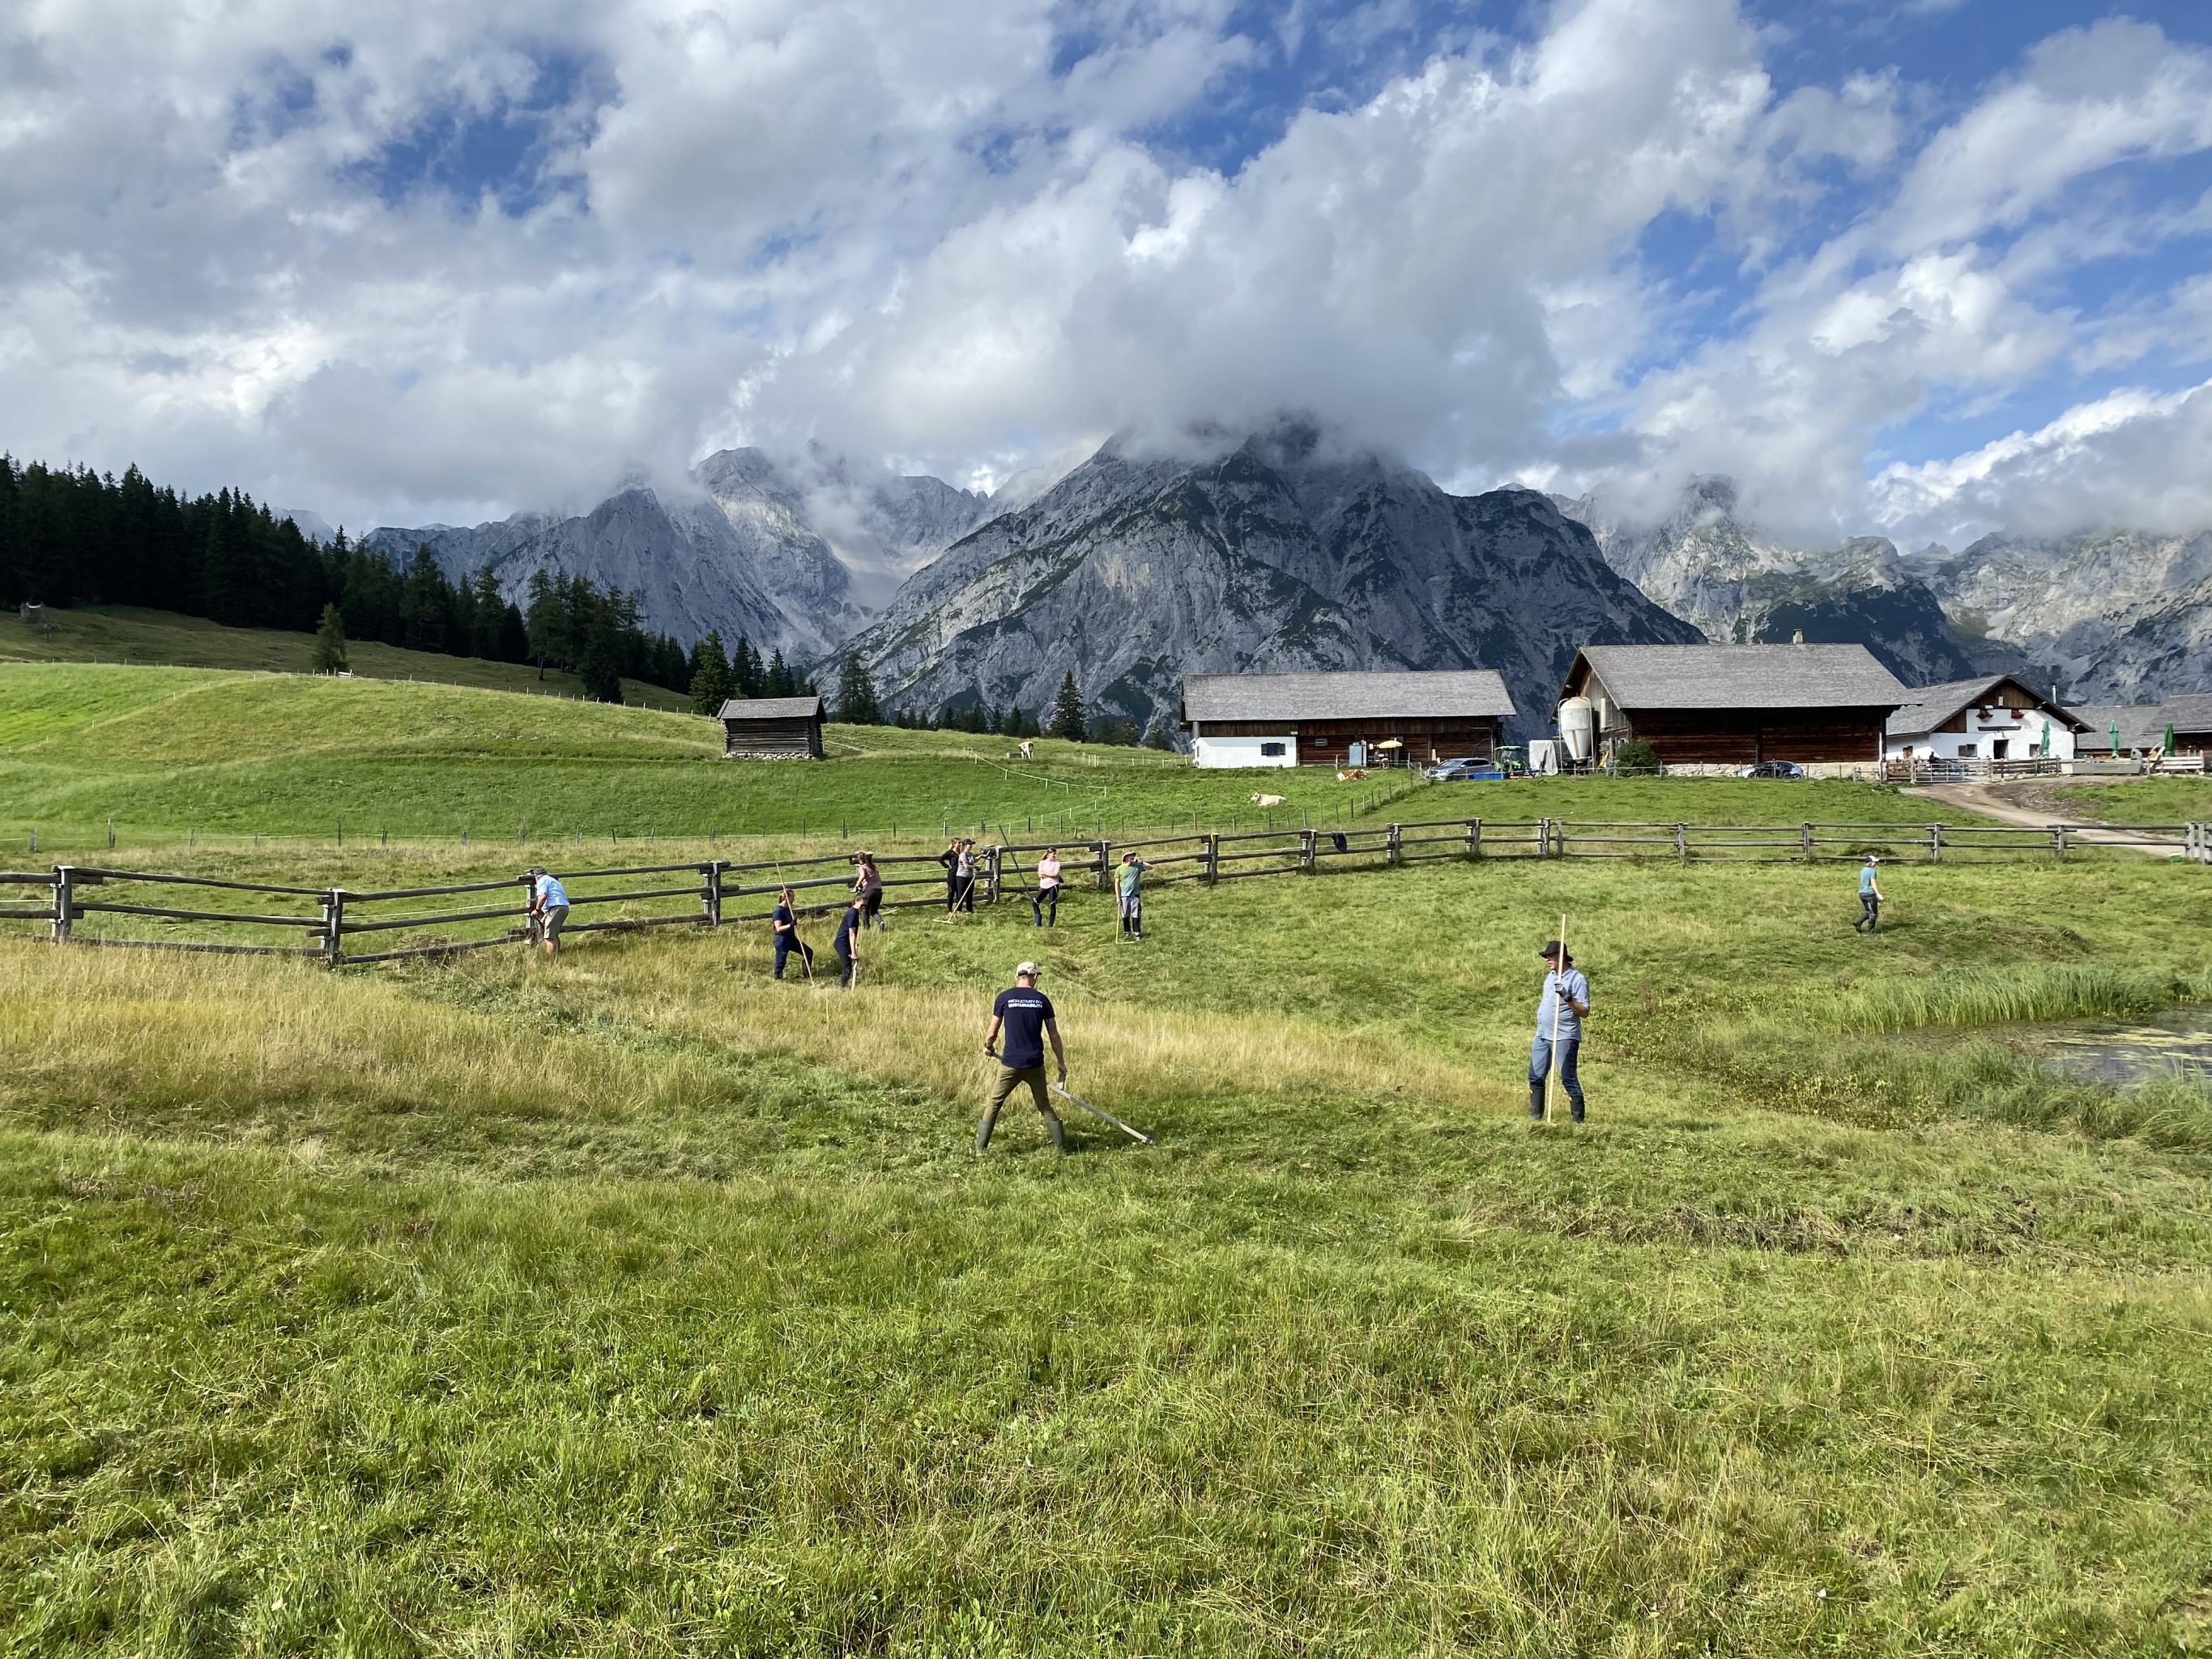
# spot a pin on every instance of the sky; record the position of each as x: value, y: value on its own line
x: 1919, y: 268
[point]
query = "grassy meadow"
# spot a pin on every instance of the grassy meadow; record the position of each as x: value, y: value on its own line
x: 2142, y: 800
x: 172, y: 754
x: 132, y: 636
x: 634, y: 1302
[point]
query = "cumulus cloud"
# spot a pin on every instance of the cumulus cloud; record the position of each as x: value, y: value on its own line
x: 404, y: 264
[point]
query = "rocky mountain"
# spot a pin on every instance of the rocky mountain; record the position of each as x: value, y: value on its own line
x: 1279, y: 553
x: 751, y: 548
x: 2112, y: 615
x: 1739, y: 586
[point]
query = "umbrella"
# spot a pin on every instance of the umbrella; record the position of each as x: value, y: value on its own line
x: 2044, y: 748
x: 2114, y: 730
x: 2169, y: 736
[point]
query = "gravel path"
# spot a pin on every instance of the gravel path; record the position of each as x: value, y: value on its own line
x: 2039, y: 804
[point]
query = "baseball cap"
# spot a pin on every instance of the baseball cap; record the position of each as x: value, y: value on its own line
x: 1027, y: 971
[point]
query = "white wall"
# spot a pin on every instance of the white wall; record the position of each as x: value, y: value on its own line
x: 1209, y: 751
x: 1984, y: 726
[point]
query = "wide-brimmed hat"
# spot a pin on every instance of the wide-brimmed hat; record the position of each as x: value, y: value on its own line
x: 1551, y: 949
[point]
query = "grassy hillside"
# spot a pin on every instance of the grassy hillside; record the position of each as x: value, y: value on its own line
x: 129, y: 635
x: 634, y: 1302
x: 162, y: 752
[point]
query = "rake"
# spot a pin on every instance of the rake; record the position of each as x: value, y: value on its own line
x: 1060, y: 1089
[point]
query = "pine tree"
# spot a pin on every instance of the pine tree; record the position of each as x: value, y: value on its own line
x: 601, y: 679
x: 710, y: 675
x: 856, y: 694
x: 779, y: 682
x: 331, y: 643
x: 1067, y: 710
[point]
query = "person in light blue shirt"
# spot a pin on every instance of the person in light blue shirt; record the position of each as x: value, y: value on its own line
x: 549, y: 909
x: 1870, y: 898
x: 1560, y: 1016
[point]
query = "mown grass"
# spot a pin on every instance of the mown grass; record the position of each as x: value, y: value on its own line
x: 133, y: 637
x: 635, y: 1303
x: 2143, y: 800
x: 179, y: 755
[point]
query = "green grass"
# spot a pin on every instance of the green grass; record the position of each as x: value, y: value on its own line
x: 633, y: 1303
x: 165, y: 754
x: 129, y: 635
x: 2143, y: 800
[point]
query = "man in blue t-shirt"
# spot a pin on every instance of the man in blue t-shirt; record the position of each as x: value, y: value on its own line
x: 1869, y: 897
x: 1024, y: 1015
x: 549, y: 909
x: 1559, y: 1019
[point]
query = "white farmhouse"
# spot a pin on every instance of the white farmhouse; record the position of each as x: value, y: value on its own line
x: 1366, y: 718
x: 1995, y: 718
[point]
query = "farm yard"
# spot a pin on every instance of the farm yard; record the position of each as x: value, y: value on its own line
x: 634, y: 1301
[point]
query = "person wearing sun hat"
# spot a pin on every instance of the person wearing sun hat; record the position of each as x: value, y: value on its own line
x: 1025, y: 1016
x: 1559, y: 1019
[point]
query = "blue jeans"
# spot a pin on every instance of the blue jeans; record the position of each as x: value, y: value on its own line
x: 786, y: 945
x: 1540, y: 1063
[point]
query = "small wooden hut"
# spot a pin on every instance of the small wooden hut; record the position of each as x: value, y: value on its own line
x: 772, y: 728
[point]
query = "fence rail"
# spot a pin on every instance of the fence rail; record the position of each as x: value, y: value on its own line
x: 1205, y: 857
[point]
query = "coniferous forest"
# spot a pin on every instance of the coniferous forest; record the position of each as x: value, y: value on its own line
x: 75, y: 536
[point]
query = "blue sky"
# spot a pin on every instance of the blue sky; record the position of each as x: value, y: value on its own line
x: 1925, y: 267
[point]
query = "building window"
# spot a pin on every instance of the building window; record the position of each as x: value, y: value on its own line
x: 1274, y: 751
x: 1967, y: 750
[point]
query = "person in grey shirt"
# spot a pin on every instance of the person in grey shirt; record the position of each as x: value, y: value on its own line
x: 1559, y: 1016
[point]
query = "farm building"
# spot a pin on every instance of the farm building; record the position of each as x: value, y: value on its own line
x: 1383, y: 719
x: 772, y: 728
x: 1715, y: 708
x: 2141, y: 726
x: 1994, y: 718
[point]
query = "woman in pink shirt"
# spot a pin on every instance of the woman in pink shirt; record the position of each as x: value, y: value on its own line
x: 1048, y: 889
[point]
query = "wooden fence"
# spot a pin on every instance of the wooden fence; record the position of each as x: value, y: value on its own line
x: 331, y: 924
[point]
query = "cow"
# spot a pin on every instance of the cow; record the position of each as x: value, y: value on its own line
x: 1028, y: 749
x: 1266, y: 800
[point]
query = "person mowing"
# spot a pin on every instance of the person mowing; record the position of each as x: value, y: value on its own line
x: 846, y: 942
x: 1046, y: 900
x: 1559, y: 1016
x: 1024, y: 1015
x: 549, y: 909
x: 785, y: 922
x: 1870, y: 898
x: 1130, y: 881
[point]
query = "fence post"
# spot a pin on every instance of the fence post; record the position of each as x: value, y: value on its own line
x: 1210, y: 844
x: 2058, y: 839
x: 710, y: 893
x: 1392, y: 843
x: 64, y: 901
x: 991, y: 873
x: 1683, y: 841
x: 333, y: 927
x: 1105, y: 864
x: 1306, y: 839
x: 1474, y: 838
x: 1934, y: 843
x: 1805, y: 842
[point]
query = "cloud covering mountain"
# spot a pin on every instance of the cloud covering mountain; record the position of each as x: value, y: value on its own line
x: 1925, y: 270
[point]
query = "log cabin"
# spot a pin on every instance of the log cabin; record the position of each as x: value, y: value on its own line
x: 1345, y: 720
x: 1713, y: 709
x: 2141, y: 726
x: 772, y: 728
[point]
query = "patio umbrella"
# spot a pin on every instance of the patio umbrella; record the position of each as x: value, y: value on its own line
x: 2043, y: 749
x: 2169, y: 736
x: 2115, y: 731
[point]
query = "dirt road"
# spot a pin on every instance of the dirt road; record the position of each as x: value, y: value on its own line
x: 2039, y: 804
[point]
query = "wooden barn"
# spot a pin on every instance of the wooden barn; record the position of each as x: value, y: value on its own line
x: 1344, y: 720
x: 772, y: 728
x: 2141, y: 726
x: 1715, y: 708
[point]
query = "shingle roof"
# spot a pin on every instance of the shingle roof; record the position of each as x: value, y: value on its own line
x: 1745, y: 677
x: 2142, y: 725
x: 1932, y: 705
x: 771, y: 709
x: 1384, y: 695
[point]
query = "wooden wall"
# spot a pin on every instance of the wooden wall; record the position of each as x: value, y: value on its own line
x: 797, y: 739
x: 1741, y: 737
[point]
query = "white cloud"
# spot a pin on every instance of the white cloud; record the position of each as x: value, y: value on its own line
x: 921, y: 233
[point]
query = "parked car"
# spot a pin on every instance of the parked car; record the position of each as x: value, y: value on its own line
x: 1458, y: 771
x: 1771, y: 769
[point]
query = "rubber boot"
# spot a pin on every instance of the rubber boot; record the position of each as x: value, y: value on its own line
x: 1535, y: 1103
x: 1053, y: 1128
x: 983, y: 1130
x: 1576, y: 1112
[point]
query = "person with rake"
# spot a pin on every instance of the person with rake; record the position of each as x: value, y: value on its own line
x: 1559, y: 1016
x: 868, y: 883
x: 1024, y: 1015
x: 549, y: 910
x: 846, y: 942
x: 1129, y: 882
x: 785, y: 922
